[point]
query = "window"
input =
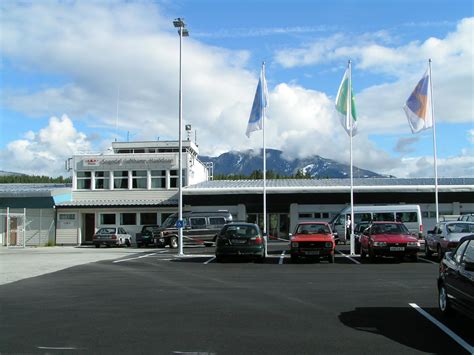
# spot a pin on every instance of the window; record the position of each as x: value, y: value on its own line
x: 83, y: 179
x: 359, y: 217
x: 383, y: 216
x: 158, y: 179
x: 148, y: 218
x: 121, y: 179
x: 460, y: 251
x: 469, y: 254
x: 122, y: 231
x: 107, y: 218
x: 407, y: 217
x: 325, y: 215
x: 128, y: 219
x: 217, y: 221
x: 305, y: 215
x: 102, y: 181
x: 139, y: 179
x: 198, y: 222
x: 174, y: 178
x: 67, y: 216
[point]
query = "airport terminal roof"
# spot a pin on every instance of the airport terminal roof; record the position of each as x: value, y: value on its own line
x: 331, y: 185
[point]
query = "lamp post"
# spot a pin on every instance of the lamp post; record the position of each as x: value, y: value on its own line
x: 183, y: 32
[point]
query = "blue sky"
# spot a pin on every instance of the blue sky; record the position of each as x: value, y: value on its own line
x: 64, y: 63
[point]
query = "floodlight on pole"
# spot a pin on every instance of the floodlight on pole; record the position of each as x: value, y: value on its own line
x: 179, y: 23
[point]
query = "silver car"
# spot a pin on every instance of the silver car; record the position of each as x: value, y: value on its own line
x: 445, y: 237
x: 109, y: 236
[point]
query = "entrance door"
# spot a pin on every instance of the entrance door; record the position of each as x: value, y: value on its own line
x: 89, y: 228
x: 13, y: 231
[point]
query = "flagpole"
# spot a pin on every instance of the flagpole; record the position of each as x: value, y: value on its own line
x: 434, y: 143
x: 264, y: 165
x: 349, y: 114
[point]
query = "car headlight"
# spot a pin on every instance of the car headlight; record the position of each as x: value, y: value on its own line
x: 294, y: 244
x: 328, y: 244
x: 413, y: 244
x: 380, y: 244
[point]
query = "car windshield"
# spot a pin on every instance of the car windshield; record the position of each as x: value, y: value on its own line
x: 312, y: 229
x: 106, y: 231
x: 460, y: 228
x: 240, y: 231
x: 389, y: 228
x: 170, y: 221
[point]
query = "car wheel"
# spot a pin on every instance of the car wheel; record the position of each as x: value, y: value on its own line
x: 173, y: 242
x: 439, y: 252
x: 362, y: 253
x: 414, y: 258
x: 219, y: 258
x: 428, y: 252
x: 260, y: 259
x: 331, y: 259
x: 97, y: 245
x: 127, y: 243
x: 294, y: 259
x: 443, y: 301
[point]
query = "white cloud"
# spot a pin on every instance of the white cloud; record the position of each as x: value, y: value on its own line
x: 96, y: 48
x: 44, y: 152
x: 457, y: 166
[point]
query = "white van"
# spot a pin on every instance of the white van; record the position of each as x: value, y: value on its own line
x: 410, y: 215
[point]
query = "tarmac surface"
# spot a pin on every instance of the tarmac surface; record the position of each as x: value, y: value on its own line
x: 150, y: 301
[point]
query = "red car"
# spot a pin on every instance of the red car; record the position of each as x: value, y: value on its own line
x: 312, y: 239
x: 388, y: 239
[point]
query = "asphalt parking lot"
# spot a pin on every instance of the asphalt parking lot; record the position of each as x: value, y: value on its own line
x: 151, y: 301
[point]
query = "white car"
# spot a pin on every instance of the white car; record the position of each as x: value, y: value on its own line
x: 109, y: 236
x: 445, y: 237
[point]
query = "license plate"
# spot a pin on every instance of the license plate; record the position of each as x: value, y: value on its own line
x: 238, y: 241
x: 397, y: 248
x: 312, y: 252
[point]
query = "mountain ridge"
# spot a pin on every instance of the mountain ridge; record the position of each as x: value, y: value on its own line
x: 248, y: 161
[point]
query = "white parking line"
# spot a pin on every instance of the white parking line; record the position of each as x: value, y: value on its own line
x: 139, y: 257
x: 445, y: 329
x: 207, y: 262
x: 282, y: 257
x: 432, y: 262
x: 348, y: 257
x: 56, y: 348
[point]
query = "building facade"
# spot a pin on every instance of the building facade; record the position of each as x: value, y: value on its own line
x: 136, y: 183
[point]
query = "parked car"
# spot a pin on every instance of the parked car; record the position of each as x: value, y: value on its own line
x: 147, y: 235
x: 466, y: 217
x: 312, y: 240
x: 199, y: 228
x: 409, y: 215
x: 456, y: 279
x: 240, y: 239
x: 110, y: 236
x: 358, y: 230
x: 445, y: 236
x: 388, y: 239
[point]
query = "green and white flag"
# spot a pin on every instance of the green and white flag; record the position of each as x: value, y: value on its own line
x: 342, y: 103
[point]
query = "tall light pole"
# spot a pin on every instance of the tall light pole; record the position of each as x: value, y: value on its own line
x: 183, y: 32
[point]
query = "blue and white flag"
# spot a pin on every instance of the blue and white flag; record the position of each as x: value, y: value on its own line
x: 418, y: 106
x: 260, y: 102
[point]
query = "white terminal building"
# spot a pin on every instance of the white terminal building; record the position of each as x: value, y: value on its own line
x: 136, y: 183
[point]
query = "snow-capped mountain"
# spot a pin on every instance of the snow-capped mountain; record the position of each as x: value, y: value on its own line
x: 235, y: 163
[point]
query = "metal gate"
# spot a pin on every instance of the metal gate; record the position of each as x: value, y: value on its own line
x: 14, y: 228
